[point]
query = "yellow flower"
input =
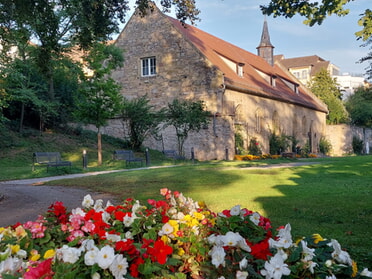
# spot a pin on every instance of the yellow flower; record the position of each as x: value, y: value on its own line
x: 34, y: 255
x: 354, y: 268
x: 20, y: 231
x: 165, y: 239
x: 198, y: 216
x: 180, y: 252
x: 49, y: 254
x: 174, y: 224
x: 317, y: 238
x: 15, y: 248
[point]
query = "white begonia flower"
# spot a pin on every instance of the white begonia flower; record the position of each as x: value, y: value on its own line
x: 218, y: 256
x: 77, y: 211
x: 113, y: 237
x: 275, y: 268
x: 88, y: 201
x: 119, y: 266
x: 311, y: 265
x: 328, y: 263
x: 331, y: 277
x: 136, y: 207
x: 212, y: 239
x: 105, y: 257
x: 338, y: 254
x: 235, y: 211
x: 68, y: 254
x: 22, y: 254
x: 87, y: 245
x: 285, y: 238
x: 243, y: 263
x: 308, y: 253
x: 10, y: 265
x: 106, y: 217
x: 96, y: 275
x: 241, y: 274
x: 255, y: 218
x: 108, y: 204
x: 366, y: 273
x: 128, y: 221
x: 222, y: 277
x: 167, y: 229
x: 128, y: 235
x: 90, y: 257
x: 231, y: 239
x: 98, y: 205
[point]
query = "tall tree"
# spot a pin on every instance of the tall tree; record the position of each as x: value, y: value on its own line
x: 141, y: 120
x: 55, y: 24
x: 326, y: 89
x: 100, y: 98
x: 186, y: 116
x: 359, y: 106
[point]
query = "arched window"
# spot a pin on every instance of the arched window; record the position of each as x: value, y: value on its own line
x: 258, y: 116
x: 295, y: 126
x: 276, y: 123
x: 304, y: 126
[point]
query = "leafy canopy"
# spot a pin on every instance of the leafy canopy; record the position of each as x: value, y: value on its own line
x: 359, y: 105
x: 326, y: 89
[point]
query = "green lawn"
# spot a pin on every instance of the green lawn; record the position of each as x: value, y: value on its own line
x: 332, y: 198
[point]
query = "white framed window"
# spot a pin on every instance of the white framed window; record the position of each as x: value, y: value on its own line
x: 148, y: 66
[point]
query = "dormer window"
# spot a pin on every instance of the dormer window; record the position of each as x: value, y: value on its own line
x: 148, y: 66
x: 240, y: 71
x: 273, y: 81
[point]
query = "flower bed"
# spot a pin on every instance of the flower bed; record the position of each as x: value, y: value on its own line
x: 249, y: 157
x: 174, y: 237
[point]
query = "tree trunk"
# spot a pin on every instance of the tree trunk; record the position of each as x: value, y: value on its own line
x: 22, y: 117
x: 99, y: 148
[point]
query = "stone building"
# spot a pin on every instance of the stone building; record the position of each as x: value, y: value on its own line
x: 245, y: 93
x: 306, y: 67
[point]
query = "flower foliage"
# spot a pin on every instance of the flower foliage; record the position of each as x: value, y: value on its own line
x: 174, y: 237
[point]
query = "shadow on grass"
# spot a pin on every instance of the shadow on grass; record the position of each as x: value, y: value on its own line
x: 331, y: 199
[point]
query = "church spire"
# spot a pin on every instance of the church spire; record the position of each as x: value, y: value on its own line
x: 266, y: 49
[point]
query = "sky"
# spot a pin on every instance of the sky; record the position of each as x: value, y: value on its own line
x: 240, y: 22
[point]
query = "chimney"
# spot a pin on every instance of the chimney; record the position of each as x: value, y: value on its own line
x: 266, y: 49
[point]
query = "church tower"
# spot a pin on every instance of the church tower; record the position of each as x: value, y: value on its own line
x: 266, y: 49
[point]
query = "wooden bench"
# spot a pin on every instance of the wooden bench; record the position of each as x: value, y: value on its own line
x: 128, y: 156
x: 173, y: 155
x: 49, y: 159
x: 288, y: 155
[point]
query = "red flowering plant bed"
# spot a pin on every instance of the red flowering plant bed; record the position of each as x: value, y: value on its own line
x: 174, y: 237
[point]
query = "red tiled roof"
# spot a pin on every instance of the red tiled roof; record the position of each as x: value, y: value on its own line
x: 251, y: 82
x: 314, y: 61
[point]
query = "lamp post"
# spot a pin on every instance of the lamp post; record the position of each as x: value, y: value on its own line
x: 85, y: 159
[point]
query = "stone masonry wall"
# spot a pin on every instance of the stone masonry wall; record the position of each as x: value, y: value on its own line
x: 341, y: 138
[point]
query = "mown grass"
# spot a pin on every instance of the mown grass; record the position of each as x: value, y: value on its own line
x: 332, y: 198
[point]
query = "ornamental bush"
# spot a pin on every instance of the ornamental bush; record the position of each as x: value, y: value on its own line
x: 175, y: 238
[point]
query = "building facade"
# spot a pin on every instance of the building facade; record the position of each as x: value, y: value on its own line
x: 245, y: 93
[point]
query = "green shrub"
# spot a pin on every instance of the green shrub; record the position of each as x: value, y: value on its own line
x: 254, y: 147
x: 325, y: 146
x: 239, y: 143
x: 357, y: 145
x: 278, y: 144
